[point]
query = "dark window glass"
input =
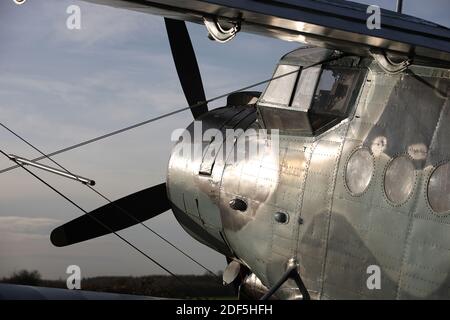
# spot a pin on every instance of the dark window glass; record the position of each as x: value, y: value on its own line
x: 334, y: 91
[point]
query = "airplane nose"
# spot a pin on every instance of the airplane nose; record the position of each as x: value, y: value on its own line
x: 195, y: 171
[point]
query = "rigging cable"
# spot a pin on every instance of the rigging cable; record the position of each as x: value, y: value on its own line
x: 123, y: 130
x: 98, y: 221
x: 110, y: 201
x: 139, y: 124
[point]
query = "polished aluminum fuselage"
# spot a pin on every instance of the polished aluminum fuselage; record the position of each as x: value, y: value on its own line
x: 345, y: 213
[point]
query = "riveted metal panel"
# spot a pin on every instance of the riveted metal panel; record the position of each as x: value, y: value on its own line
x: 440, y: 146
x: 254, y: 179
x: 196, y: 195
x: 425, y: 271
x: 371, y: 229
x: 336, y: 234
x: 269, y: 185
x: 316, y: 207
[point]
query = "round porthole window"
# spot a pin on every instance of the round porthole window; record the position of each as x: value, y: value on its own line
x: 359, y: 171
x: 439, y: 189
x: 399, y: 179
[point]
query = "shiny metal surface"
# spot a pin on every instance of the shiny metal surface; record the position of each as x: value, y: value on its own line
x: 439, y: 189
x: 252, y: 288
x: 399, y: 179
x: 356, y: 174
x: 220, y: 33
x: 357, y: 195
x: 193, y: 177
x: 404, y: 241
x: 359, y: 171
x: 231, y: 272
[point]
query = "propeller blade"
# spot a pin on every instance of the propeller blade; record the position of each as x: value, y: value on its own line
x: 115, y: 216
x: 186, y: 64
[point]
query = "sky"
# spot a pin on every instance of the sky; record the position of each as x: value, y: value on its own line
x: 59, y: 87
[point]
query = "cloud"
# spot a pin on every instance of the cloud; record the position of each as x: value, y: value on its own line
x: 99, y: 24
x: 103, y: 24
x: 27, y: 225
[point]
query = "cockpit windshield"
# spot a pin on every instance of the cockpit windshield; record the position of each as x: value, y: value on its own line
x: 309, y: 100
x: 283, y: 82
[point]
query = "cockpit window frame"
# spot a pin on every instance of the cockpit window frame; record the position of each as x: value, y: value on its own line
x: 309, y: 131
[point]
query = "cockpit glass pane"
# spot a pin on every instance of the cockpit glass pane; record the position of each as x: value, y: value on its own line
x: 334, y: 92
x: 311, y: 102
x: 305, y: 88
x: 279, y: 90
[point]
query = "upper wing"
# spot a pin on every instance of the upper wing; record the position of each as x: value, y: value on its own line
x: 334, y: 24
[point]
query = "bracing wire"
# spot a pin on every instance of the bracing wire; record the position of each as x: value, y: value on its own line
x: 110, y: 201
x: 139, y: 124
x: 99, y: 222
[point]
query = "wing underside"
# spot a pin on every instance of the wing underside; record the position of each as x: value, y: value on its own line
x: 334, y: 24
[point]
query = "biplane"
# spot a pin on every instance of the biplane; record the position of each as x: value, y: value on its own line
x: 353, y: 176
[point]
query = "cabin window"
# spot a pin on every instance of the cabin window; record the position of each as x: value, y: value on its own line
x: 439, y: 189
x: 359, y: 171
x: 399, y: 180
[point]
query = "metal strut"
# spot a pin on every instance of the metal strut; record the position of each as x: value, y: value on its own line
x: 23, y: 161
x: 291, y: 273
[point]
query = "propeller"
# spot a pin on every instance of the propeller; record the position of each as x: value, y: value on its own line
x: 115, y: 216
x: 186, y: 64
x: 147, y: 203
